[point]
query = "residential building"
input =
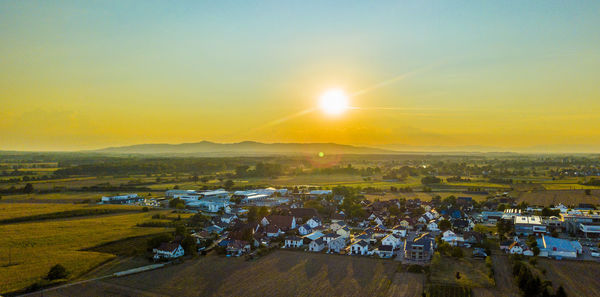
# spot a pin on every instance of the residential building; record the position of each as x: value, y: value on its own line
x: 167, y: 251
x: 419, y: 249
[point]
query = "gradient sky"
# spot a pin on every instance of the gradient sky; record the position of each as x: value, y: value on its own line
x: 89, y: 74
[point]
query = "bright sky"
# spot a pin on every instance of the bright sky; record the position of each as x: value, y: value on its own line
x: 90, y: 74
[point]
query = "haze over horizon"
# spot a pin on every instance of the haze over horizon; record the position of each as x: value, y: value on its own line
x: 508, y: 75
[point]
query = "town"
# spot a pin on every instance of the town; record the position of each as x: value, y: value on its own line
x: 340, y: 221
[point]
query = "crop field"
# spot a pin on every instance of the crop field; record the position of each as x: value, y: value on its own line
x: 281, y: 273
x: 66, y: 197
x: 567, y: 197
x: 17, y: 210
x: 578, y: 278
x: 28, y: 250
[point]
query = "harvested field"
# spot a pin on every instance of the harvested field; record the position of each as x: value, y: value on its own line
x: 567, y: 197
x: 281, y: 273
x: 578, y: 278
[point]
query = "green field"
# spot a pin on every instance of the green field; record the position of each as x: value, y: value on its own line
x: 28, y: 250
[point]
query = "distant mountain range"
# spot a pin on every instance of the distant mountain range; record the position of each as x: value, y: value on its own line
x: 242, y: 148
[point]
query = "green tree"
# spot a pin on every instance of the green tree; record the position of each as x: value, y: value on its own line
x: 57, y: 272
x: 445, y: 225
x: 28, y: 189
x: 228, y: 184
x: 560, y: 292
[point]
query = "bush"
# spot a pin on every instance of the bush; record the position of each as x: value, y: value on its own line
x: 57, y: 272
x: 145, y: 209
x: 414, y: 268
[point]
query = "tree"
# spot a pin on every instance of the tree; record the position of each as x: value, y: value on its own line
x: 28, y: 189
x: 57, y: 272
x: 560, y: 292
x: 535, y: 250
x: 189, y: 245
x: 229, y: 184
x: 445, y: 225
x: 588, y: 192
x: 457, y: 252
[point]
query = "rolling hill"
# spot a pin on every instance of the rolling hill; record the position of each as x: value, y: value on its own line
x: 242, y: 148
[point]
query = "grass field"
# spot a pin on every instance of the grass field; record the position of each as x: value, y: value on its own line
x: 473, y: 272
x: 16, y: 210
x: 578, y: 278
x: 35, y: 247
x: 281, y: 273
x: 69, y: 197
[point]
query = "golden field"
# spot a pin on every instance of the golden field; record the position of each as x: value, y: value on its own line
x: 34, y: 247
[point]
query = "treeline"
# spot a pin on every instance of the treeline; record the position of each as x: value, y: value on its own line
x: 63, y: 214
x: 498, y: 180
x: 114, y: 167
x: 530, y: 283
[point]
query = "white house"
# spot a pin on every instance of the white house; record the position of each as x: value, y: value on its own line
x: 336, y: 245
x: 168, y: 251
x: 399, y: 230
x: 305, y: 229
x: 360, y: 247
x: 316, y: 245
x: 452, y: 239
x: 293, y: 242
x: 392, y: 240
x: 314, y: 222
x: 515, y: 248
x: 432, y: 226
x: 344, y: 232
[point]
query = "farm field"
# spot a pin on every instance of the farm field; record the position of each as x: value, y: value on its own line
x: 281, y: 273
x: 34, y: 247
x: 568, y: 197
x: 473, y: 272
x: 578, y: 278
x: 66, y: 197
x: 16, y: 210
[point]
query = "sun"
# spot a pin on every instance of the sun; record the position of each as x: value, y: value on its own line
x: 334, y: 102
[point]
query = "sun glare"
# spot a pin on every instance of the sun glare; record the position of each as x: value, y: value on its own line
x: 333, y: 102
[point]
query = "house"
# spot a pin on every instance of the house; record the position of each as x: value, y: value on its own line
x: 405, y: 223
x: 213, y: 229
x: 168, y: 251
x: 433, y: 226
x: 392, y: 240
x: 515, y: 248
x: 343, y: 232
x: 385, y: 251
x: 273, y: 230
x: 228, y: 218
x: 303, y: 214
x: 464, y: 201
x: 337, y: 244
x: 282, y: 221
x: 558, y: 248
x: 305, y: 229
x: 399, y: 230
x: 360, y: 247
x: 331, y: 236
x: 337, y: 225
x: 293, y: 242
x: 473, y: 237
x: 462, y: 225
x: 314, y: 235
x: 420, y: 248
x: 314, y: 222
x: 316, y: 245
x: 452, y: 239
x: 237, y: 247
